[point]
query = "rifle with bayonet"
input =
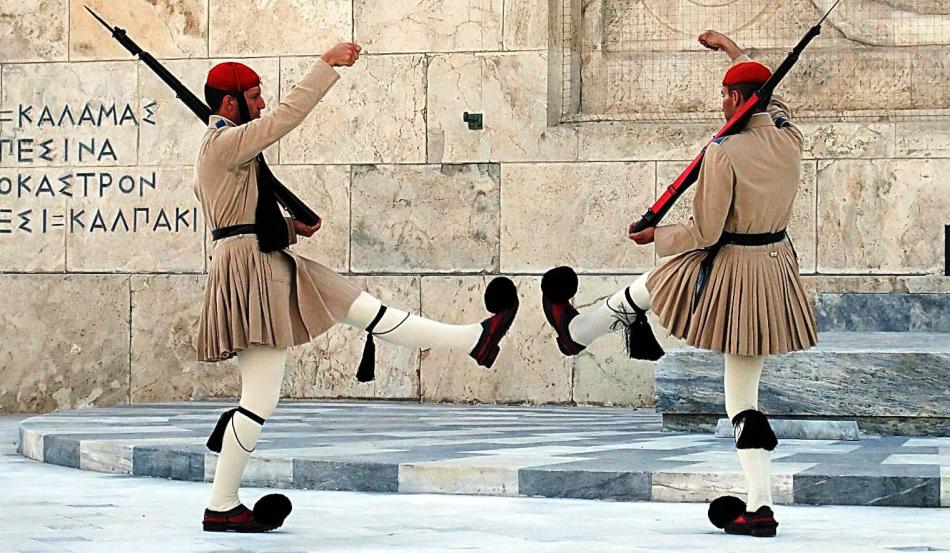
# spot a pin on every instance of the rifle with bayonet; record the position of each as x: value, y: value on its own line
x: 297, y: 209
x: 755, y: 104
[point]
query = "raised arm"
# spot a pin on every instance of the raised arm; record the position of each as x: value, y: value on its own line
x: 238, y: 145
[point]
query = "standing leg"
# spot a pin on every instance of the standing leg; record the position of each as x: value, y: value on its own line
x: 755, y: 441
x: 262, y: 372
x: 741, y: 382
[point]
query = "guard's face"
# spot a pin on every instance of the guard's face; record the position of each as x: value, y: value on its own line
x: 255, y: 102
x: 731, y: 100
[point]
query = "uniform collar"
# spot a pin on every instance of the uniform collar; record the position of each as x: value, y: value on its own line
x: 217, y: 122
x: 760, y: 120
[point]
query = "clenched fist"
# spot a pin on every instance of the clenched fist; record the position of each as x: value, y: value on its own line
x: 306, y: 230
x: 644, y: 237
x: 715, y: 40
x: 345, y: 53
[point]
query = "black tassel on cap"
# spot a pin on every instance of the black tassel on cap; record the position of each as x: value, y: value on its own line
x: 367, y: 369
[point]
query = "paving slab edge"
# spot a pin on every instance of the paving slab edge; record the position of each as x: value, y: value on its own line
x: 193, y: 462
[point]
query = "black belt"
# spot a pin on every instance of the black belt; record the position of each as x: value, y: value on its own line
x: 224, y: 232
x: 729, y: 238
x: 752, y: 239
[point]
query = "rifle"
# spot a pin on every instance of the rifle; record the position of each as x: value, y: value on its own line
x: 756, y: 103
x: 293, y: 204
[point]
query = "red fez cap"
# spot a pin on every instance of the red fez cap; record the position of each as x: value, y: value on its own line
x: 232, y: 77
x: 747, y: 72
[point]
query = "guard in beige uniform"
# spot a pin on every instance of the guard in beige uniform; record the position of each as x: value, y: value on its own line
x: 732, y: 284
x: 261, y: 298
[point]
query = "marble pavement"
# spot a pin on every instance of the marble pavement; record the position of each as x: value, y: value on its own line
x: 555, y: 452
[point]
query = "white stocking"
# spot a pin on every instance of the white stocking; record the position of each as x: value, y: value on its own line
x: 597, y: 321
x: 262, y: 372
x: 403, y: 329
x: 742, y: 392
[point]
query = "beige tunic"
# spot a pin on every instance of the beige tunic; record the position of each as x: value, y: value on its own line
x: 753, y: 303
x: 276, y: 299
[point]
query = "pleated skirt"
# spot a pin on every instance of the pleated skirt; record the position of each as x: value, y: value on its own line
x: 753, y: 303
x: 276, y: 299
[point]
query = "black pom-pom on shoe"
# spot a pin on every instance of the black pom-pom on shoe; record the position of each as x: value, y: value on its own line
x: 559, y: 284
x: 272, y: 509
x: 725, y: 509
x: 501, y: 299
x: 500, y: 295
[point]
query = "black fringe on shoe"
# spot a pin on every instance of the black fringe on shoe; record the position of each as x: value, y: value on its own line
x: 272, y: 509
x: 725, y: 509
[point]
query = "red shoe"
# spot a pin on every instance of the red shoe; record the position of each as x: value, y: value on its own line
x: 558, y: 286
x: 501, y: 298
x: 760, y: 524
x: 269, y: 514
x: 239, y: 519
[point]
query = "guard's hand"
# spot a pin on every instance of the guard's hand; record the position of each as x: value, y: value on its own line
x: 306, y: 230
x: 714, y: 40
x: 643, y: 237
x: 345, y: 53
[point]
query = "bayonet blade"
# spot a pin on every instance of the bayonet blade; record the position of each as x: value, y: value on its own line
x: 101, y: 20
x: 829, y: 12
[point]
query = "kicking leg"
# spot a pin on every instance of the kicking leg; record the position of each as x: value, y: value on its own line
x: 625, y: 310
x: 404, y: 329
x: 398, y: 327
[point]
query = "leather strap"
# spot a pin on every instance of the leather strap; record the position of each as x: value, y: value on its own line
x: 379, y: 317
x: 251, y: 415
x: 225, y: 232
x: 752, y: 239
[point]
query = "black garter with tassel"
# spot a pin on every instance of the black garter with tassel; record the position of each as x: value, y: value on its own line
x: 216, y: 440
x: 367, y: 369
x: 638, y: 337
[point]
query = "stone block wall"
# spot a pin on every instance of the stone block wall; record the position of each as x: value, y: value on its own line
x: 103, y: 249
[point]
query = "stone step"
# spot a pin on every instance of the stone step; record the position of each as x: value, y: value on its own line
x: 883, y: 312
x: 557, y: 452
x: 889, y: 382
x: 794, y: 429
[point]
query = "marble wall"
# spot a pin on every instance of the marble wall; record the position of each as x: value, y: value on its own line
x: 103, y: 246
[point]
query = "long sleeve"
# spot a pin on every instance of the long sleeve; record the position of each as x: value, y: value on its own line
x: 782, y: 117
x: 238, y: 145
x: 714, y: 191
